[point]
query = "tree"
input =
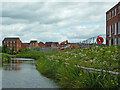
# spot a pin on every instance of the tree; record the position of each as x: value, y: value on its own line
x: 5, y: 49
x: 13, y: 49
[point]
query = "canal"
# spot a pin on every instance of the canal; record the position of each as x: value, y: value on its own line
x: 22, y: 73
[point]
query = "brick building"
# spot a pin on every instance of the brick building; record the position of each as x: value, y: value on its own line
x: 24, y: 46
x: 51, y: 44
x: 113, y: 25
x: 12, y: 42
x: 33, y: 44
x: 41, y: 45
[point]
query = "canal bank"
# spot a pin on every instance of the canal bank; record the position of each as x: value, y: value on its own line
x: 22, y: 73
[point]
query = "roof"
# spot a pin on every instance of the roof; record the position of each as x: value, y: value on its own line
x: 56, y: 43
x: 41, y: 42
x: 27, y: 44
x: 113, y: 7
x: 33, y: 41
x: 48, y: 43
x: 11, y: 39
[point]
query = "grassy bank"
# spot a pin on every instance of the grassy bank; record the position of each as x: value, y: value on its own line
x: 5, y: 57
x: 68, y: 76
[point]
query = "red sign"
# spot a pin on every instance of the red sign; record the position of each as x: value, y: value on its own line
x: 100, y: 40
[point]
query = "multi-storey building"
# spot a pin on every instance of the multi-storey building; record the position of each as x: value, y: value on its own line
x: 33, y: 44
x: 12, y: 43
x: 113, y: 25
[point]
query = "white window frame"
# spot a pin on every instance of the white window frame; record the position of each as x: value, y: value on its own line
x: 110, y: 31
x: 119, y: 27
x: 119, y: 9
x: 115, y: 29
x: 115, y: 11
x: 119, y: 41
x: 110, y: 42
x: 109, y: 15
x: 115, y: 41
x: 112, y: 28
x: 112, y: 13
x: 107, y: 30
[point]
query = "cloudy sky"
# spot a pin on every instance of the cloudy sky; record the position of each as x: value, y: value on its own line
x: 53, y: 21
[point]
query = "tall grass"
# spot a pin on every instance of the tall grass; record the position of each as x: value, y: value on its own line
x: 69, y: 76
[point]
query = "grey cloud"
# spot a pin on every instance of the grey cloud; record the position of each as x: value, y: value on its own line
x: 54, y: 21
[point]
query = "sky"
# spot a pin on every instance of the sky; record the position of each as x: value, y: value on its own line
x: 53, y: 21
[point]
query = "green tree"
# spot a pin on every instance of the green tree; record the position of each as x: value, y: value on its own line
x: 5, y: 49
x: 13, y: 49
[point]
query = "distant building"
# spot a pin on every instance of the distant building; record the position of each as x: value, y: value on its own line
x: 12, y: 43
x: 33, y: 44
x: 24, y: 46
x: 51, y: 44
x: 55, y: 44
x: 41, y: 45
x: 113, y: 25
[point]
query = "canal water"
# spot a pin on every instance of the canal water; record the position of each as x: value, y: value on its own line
x: 22, y: 73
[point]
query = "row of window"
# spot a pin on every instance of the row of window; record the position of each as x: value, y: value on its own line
x: 9, y: 41
x: 114, y: 41
x: 32, y: 43
x: 113, y: 28
x: 111, y: 14
x: 13, y: 45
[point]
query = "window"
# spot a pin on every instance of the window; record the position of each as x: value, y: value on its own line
x: 119, y: 9
x: 110, y: 42
x: 10, y: 41
x: 7, y: 41
x: 119, y: 41
x: 110, y: 31
x: 119, y: 27
x: 115, y: 11
x: 115, y: 42
x: 107, y: 17
x: 112, y: 28
x: 115, y: 29
x: 107, y: 31
x: 17, y: 45
x: 4, y: 41
x: 11, y: 45
x: 112, y: 13
x: 13, y: 41
x: 20, y: 46
x: 33, y: 43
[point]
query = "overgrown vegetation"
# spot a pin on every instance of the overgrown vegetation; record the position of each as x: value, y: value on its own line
x: 5, y: 57
x: 5, y: 49
x: 68, y: 76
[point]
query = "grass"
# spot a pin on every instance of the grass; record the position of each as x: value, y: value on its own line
x: 6, y: 58
x: 68, y: 76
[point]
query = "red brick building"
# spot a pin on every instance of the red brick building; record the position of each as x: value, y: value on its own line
x: 113, y: 25
x: 12, y: 42
x: 33, y: 44
x: 41, y: 45
x: 51, y: 44
x: 24, y: 46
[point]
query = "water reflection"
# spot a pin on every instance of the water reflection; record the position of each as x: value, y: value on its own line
x: 23, y: 74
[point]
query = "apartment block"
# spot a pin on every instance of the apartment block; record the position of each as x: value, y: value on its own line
x: 113, y: 25
x: 12, y: 42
